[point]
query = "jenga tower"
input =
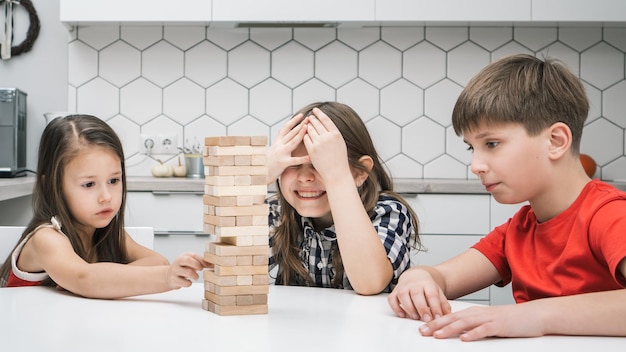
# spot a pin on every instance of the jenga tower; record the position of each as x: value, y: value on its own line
x: 235, y: 212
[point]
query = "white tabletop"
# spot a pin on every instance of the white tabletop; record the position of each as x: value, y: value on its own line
x: 299, y: 319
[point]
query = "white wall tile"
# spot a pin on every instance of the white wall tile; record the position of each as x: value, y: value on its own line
x: 403, y: 81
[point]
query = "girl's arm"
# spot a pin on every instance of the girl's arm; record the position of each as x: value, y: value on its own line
x: 279, y: 153
x: 363, y: 254
x: 52, y: 252
x: 140, y: 255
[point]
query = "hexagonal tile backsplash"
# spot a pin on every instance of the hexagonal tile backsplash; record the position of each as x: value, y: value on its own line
x: 197, y: 81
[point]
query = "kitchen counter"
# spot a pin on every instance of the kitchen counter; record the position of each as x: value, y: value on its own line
x: 23, y: 186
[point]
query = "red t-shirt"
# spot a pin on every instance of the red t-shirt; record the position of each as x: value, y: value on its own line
x: 578, y: 251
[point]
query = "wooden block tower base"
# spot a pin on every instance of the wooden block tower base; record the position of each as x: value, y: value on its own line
x: 235, y: 212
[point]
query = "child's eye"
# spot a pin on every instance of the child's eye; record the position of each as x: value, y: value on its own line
x: 114, y: 181
x: 295, y: 167
x: 470, y: 148
x: 88, y: 185
x: 492, y: 145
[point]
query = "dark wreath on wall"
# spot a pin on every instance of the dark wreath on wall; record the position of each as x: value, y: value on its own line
x: 31, y: 35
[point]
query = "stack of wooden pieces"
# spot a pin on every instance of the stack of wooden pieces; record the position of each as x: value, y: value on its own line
x: 235, y: 212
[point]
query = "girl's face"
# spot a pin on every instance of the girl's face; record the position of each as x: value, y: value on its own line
x: 303, y: 189
x: 92, y: 187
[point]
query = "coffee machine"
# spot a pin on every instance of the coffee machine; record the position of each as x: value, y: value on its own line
x: 12, y: 132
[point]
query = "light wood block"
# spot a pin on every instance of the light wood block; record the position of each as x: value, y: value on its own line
x: 244, y: 280
x: 258, y: 140
x: 246, y: 260
x: 234, y: 231
x: 235, y: 150
x: 238, y: 270
x: 234, y: 310
x: 237, y: 290
x: 260, y: 260
x: 209, y: 276
x: 247, y: 300
x: 260, y: 280
x: 221, y: 260
x: 258, y: 159
x: 245, y: 240
x: 230, y: 140
x: 223, y: 249
x: 235, y: 170
x: 225, y: 191
x: 220, y: 180
x: 219, y: 160
x: 219, y: 201
x: 221, y: 300
x: 252, y: 210
x: 219, y: 221
x: 243, y: 160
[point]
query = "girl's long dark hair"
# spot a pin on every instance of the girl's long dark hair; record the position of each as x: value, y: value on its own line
x: 286, y: 248
x: 63, y: 139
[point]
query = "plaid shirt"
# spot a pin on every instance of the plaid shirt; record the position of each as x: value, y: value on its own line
x: 390, y: 218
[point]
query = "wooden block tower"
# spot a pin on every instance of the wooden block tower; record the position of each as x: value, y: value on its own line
x: 235, y: 212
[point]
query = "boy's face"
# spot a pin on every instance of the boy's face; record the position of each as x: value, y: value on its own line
x: 512, y: 165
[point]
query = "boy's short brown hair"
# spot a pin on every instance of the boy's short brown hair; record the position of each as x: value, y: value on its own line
x: 526, y: 90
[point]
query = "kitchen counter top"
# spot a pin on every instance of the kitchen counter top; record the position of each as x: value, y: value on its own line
x: 23, y: 186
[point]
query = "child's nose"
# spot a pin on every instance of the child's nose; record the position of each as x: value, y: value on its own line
x: 306, y: 173
x: 477, y: 165
x: 105, y: 194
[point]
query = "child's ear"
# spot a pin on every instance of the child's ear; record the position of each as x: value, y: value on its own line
x: 560, y: 140
x: 361, y: 176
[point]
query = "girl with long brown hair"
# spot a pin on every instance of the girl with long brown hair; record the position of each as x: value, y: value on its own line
x: 335, y: 220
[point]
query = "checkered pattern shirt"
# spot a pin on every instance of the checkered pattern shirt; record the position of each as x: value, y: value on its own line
x: 390, y: 218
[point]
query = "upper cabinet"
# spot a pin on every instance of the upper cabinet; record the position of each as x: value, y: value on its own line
x: 453, y: 10
x: 339, y: 12
x: 579, y: 11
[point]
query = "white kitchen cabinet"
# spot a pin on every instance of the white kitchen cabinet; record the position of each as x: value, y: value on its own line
x: 176, y: 218
x: 75, y: 12
x: 166, y: 212
x: 453, y: 10
x: 451, y: 224
x: 280, y: 11
x: 579, y: 11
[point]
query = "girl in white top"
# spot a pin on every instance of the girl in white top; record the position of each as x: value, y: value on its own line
x: 76, y: 239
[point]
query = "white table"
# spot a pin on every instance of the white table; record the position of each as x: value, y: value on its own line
x: 299, y: 319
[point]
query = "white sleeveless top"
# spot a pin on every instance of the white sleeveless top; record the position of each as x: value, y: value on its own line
x: 55, y: 224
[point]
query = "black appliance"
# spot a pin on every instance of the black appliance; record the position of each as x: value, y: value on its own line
x: 12, y: 132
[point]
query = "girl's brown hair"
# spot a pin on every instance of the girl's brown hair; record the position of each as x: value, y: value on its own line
x: 526, y: 90
x: 359, y: 143
x: 63, y: 139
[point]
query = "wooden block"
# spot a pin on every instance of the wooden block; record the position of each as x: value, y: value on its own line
x: 238, y: 270
x: 258, y: 199
x: 260, y: 280
x: 221, y: 300
x: 219, y: 201
x: 227, y: 221
x: 243, y: 201
x: 237, y: 290
x: 235, y: 170
x: 242, y: 180
x: 244, y: 280
x: 229, y: 140
x: 245, y: 260
x: 223, y: 249
x: 220, y: 180
x: 234, y: 310
x: 219, y: 160
x: 221, y: 260
x: 258, y: 140
x: 243, y: 160
x: 252, y: 210
x: 260, y: 259
x: 234, y: 231
x: 258, y: 159
x: 246, y: 300
x: 237, y: 241
x: 235, y: 150
x: 245, y: 220
x: 209, y: 276
x: 258, y: 180
x: 225, y: 191
x: 258, y: 219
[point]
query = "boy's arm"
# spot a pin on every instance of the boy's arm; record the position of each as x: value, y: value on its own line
x: 422, y: 292
x: 599, y: 314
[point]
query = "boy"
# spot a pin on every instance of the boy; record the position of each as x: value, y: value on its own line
x: 564, y: 253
